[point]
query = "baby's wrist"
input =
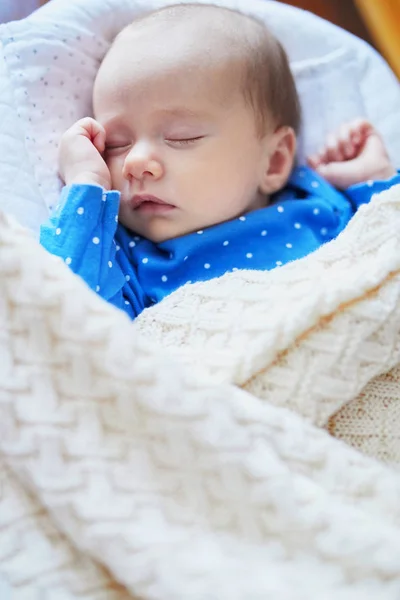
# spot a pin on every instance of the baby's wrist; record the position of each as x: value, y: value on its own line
x: 386, y: 173
x: 87, y: 178
x: 382, y: 174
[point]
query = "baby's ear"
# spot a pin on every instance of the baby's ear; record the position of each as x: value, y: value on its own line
x: 280, y: 151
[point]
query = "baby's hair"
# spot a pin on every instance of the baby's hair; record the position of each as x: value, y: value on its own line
x: 269, y: 84
x: 267, y: 81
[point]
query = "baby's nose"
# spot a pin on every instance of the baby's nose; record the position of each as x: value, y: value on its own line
x: 141, y: 162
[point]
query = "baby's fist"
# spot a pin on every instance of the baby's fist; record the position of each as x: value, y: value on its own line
x: 80, y: 154
x: 355, y: 154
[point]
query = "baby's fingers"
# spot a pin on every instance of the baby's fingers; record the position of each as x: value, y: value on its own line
x: 99, y: 139
x: 331, y: 152
x: 94, y: 131
x: 360, y: 130
x: 314, y: 161
x: 348, y: 148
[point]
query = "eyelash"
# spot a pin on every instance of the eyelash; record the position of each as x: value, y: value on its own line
x: 185, y: 142
x: 111, y: 148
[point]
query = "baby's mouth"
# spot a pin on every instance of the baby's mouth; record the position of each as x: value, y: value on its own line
x: 149, y: 203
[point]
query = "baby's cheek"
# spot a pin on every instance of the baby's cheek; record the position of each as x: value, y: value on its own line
x: 117, y: 177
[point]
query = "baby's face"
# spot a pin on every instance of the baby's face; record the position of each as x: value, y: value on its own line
x: 181, y: 143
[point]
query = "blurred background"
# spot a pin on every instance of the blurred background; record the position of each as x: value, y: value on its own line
x: 11, y: 10
x: 344, y: 13
x: 376, y: 21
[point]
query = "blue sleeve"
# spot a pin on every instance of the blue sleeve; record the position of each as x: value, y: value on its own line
x: 81, y: 232
x: 363, y: 192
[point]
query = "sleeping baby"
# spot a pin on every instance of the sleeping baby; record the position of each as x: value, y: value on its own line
x: 187, y: 170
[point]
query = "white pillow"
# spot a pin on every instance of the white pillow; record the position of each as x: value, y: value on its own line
x: 49, y: 60
x: 325, y: 105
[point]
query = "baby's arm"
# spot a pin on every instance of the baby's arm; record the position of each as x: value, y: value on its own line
x: 355, y: 154
x: 82, y: 230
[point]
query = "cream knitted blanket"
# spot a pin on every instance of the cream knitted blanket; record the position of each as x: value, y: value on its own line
x: 184, y: 456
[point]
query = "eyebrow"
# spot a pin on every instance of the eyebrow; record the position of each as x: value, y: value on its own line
x: 111, y: 122
x: 181, y: 111
x: 173, y: 112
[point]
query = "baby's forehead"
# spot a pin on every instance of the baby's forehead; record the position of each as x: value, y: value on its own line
x: 191, y: 37
x: 177, y: 53
x: 215, y: 20
x: 155, y: 50
x: 206, y: 33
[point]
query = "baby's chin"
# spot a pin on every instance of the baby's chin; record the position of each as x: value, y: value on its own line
x: 154, y: 230
x: 159, y: 230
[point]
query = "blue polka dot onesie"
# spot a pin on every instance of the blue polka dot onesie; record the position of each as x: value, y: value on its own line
x: 133, y: 273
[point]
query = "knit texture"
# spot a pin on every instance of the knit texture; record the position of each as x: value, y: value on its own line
x: 185, y: 455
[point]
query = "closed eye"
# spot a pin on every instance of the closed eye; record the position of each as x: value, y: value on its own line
x: 185, y: 141
x: 115, y: 147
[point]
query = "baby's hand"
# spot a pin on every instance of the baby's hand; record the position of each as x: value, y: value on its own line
x: 355, y: 154
x: 80, y: 159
